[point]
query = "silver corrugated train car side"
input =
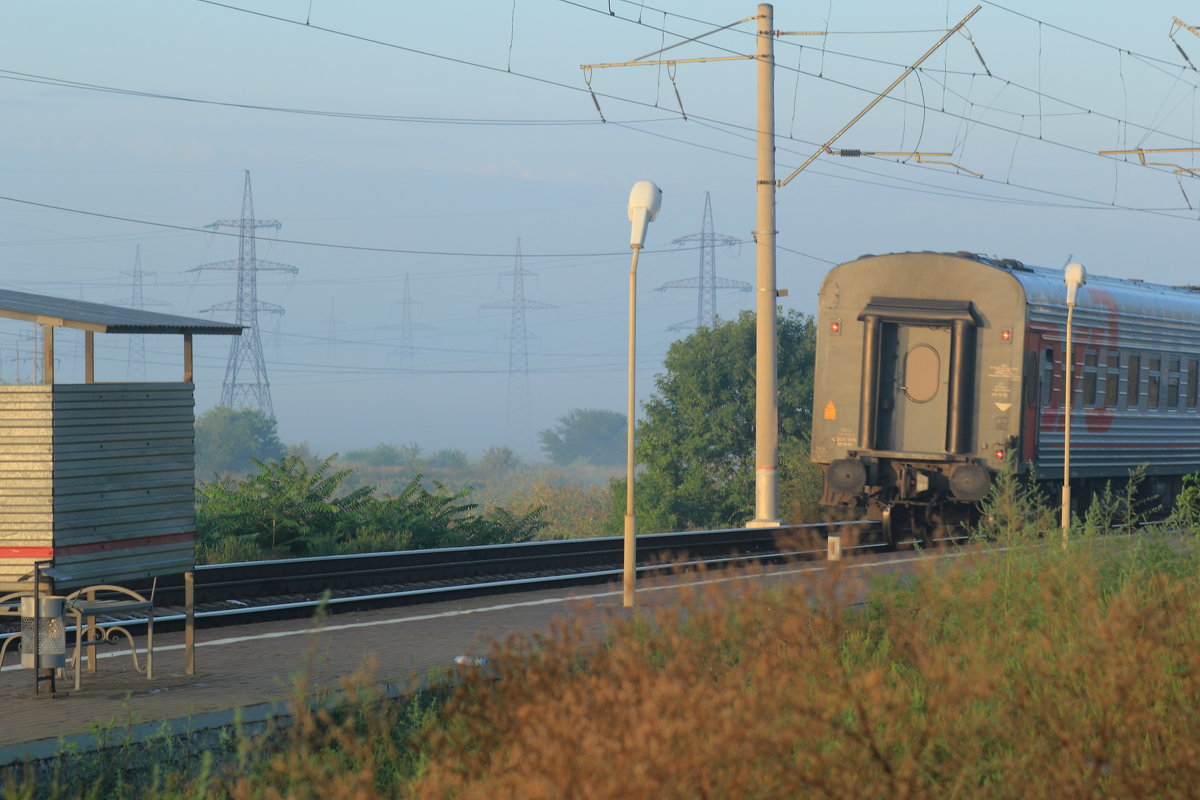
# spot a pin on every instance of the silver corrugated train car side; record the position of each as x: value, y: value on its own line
x: 933, y: 369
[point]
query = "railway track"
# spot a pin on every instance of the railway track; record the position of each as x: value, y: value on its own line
x: 230, y: 594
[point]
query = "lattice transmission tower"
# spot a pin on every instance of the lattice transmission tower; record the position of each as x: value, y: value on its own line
x: 333, y: 323
x: 246, y: 384
x: 518, y: 352
x: 136, y: 366
x: 407, y: 326
x: 706, y: 283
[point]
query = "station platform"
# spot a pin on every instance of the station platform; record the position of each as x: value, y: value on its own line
x: 252, y: 669
x: 249, y: 672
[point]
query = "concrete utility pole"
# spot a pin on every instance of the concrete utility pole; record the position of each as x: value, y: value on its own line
x: 766, y: 410
x: 766, y: 416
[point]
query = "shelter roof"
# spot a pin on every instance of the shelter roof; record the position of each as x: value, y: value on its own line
x: 60, y: 312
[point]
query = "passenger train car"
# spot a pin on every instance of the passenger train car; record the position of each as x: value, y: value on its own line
x: 934, y: 368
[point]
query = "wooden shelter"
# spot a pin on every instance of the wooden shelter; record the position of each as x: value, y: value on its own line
x: 97, y: 477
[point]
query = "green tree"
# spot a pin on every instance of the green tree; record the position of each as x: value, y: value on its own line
x: 448, y: 459
x: 286, y: 507
x: 499, y: 458
x: 589, y: 435
x: 290, y: 508
x: 387, y: 455
x: 418, y: 518
x: 696, y: 440
x: 231, y: 440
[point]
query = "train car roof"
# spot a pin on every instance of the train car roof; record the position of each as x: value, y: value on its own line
x: 1045, y: 286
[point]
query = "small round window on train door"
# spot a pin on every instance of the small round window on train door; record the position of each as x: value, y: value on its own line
x: 922, y: 370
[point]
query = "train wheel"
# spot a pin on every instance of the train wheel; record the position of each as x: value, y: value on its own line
x: 954, y: 523
x: 922, y: 527
x: 909, y: 526
x: 898, y: 528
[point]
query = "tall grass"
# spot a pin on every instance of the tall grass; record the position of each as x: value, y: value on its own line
x: 1032, y: 673
x: 1012, y: 670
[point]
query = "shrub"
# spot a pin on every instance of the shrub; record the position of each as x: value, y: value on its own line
x: 1010, y: 674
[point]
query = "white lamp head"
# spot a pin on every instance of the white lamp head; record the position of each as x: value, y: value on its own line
x: 644, y: 201
x: 1074, y: 276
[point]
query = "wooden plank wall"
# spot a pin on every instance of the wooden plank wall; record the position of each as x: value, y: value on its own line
x: 26, y: 482
x: 103, y: 475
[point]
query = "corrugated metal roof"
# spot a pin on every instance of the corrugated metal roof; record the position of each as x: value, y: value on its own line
x: 102, y: 318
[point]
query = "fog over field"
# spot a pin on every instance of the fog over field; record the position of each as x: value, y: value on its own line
x: 408, y: 150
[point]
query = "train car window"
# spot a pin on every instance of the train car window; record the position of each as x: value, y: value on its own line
x: 1193, y: 382
x: 1153, y: 376
x: 922, y: 369
x: 1047, y: 375
x: 1089, y: 378
x: 1112, y: 379
x: 1173, y: 383
x: 1133, y: 381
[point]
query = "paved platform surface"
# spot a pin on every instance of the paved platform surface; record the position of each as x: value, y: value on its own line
x: 255, y: 664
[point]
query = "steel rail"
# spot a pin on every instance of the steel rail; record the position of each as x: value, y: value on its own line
x: 236, y: 593
x: 248, y: 580
x: 230, y: 594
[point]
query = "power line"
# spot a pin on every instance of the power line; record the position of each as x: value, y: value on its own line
x: 306, y: 243
x: 1076, y: 34
x: 479, y: 65
x: 28, y: 77
x: 925, y: 71
x: 66, y: 83
x: 466, y: 62
x: 574, y: 89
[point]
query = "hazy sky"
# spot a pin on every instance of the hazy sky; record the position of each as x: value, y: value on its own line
x: 432, y: 137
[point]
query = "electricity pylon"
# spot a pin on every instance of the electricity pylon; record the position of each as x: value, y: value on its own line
x: 136, y: 366
x: 706, y: 282
x: 518, y: 353
x: 245, y: 351
x: 333, y: 323
x: 406, y: 326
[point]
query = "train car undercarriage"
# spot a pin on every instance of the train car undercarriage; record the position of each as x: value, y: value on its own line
x: 919, y: 502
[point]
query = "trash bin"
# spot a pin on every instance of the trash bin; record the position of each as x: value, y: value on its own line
x: 43, y: 632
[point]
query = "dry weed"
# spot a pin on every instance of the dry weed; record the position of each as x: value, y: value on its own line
x: 1003, y: 676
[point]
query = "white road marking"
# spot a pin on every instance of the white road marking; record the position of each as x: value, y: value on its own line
x: 485, y: 609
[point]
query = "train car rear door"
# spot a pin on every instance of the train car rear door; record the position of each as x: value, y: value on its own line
x: 914, y: 396
x: 918, y: 372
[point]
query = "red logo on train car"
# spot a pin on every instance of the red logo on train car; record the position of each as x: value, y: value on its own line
x: 1097, y: 419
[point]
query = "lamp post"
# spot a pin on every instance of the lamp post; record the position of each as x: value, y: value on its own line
x: 644, y: 202
x: 1074, y: 276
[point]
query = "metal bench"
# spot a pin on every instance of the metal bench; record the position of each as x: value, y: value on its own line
x: 90, y: 602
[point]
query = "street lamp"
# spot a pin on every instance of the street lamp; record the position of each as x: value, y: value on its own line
x: 644, y: 202
x: 1074, y: 276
